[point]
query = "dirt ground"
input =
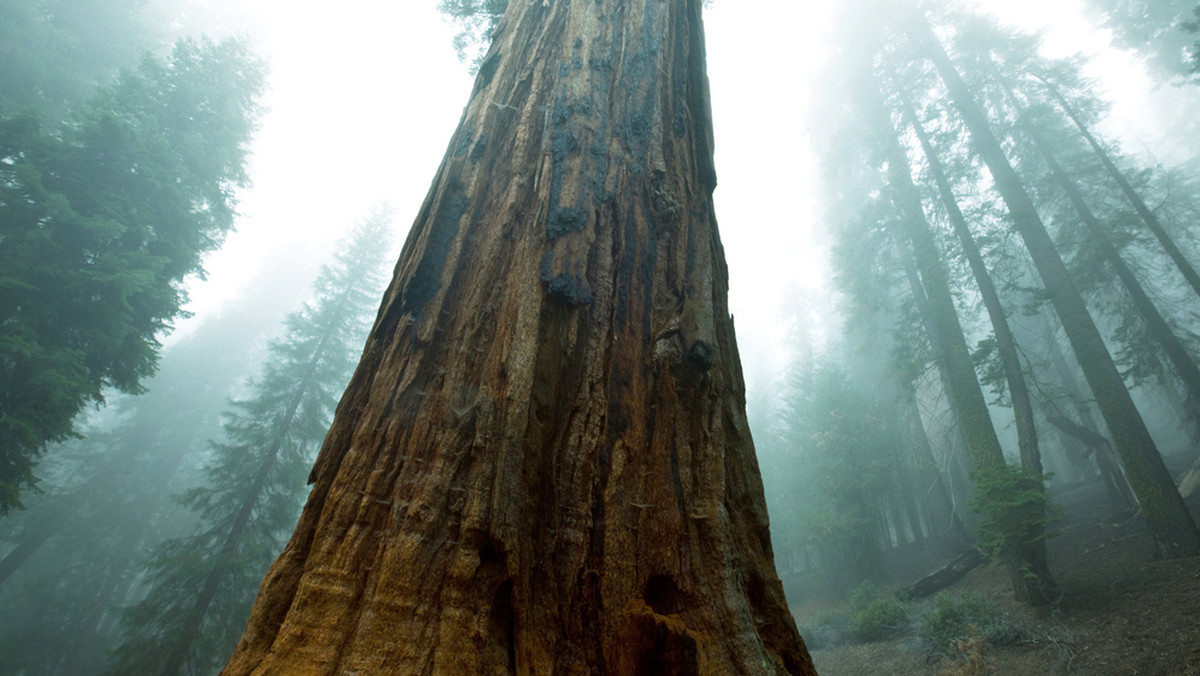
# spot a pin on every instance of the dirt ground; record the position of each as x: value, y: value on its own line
x: 1121, y: 613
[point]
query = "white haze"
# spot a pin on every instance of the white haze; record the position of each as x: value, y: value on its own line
x: 365, y: 95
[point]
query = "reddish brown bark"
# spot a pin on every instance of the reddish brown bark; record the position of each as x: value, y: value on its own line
x: 542, y: 465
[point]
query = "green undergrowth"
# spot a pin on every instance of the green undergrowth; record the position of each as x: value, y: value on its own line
x: 938, y: 625
x: 955, y: 617
x: 1016, y: 510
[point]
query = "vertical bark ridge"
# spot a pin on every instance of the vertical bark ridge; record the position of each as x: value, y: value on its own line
x: 542, y: 464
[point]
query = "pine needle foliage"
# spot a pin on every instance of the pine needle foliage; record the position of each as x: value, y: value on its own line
x: 1016, y: 510
x: 101, y: 220
x: 201, y: 587
x: 476, y: 20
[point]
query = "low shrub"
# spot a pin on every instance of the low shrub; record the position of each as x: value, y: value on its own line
x: 874, y: 615
x: 826, y: 630
x: 880, y: 619
x: 954, y: 618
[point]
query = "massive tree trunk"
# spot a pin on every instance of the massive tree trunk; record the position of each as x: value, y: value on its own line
x: 1175, y: 533
x: 542, y: 464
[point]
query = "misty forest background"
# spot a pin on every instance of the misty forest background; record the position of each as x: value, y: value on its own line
x: 1011, y: 308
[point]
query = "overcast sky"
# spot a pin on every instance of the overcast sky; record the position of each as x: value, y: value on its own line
x: 365, y: 95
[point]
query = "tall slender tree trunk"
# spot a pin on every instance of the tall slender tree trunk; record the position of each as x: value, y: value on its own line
x: 941, y: 318
x: 1179, y: 405
x: 912, y: 511
x: 953, y: 481
x: 31, y: 541
x: 343, y: 310
x: 1184, y: 366
x: 57, y: 512
x: 1175, y: 533
x: 181, y: 647
x: 542, y: 464
x: 1006, y: 344
x: 1148, y: 217
x: 944, y: 521
x: 907, y: 476
x: 936, y: 340
x: 52, y: 517
x: 85, y: 633
x: 1029, y: 567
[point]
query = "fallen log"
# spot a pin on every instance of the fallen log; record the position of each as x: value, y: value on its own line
x: 1189, y: 483
x: 943, y: 577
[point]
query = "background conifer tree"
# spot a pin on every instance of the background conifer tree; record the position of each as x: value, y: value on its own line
x: 74, y: 556
x: 101, y: 221
x: 201, y: 586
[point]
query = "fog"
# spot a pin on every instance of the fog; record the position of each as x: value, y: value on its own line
x: 246, y: 247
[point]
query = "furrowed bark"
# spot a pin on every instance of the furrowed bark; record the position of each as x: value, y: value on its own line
x: 542, y: 464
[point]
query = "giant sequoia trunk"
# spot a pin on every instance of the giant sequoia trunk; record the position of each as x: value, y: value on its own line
x: 542, y: 464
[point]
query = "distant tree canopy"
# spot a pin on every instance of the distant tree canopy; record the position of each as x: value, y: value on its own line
x: 476, y: 20
x: 107, y: 500
x: 53, y: 54
x: 1063, y: 233
x: 841, y: 459
x: 1161, y: 31
x: 101, y: 219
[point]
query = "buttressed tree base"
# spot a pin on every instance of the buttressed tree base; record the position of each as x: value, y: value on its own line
x: 542, y: 464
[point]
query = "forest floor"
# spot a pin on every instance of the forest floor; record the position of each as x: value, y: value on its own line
x: 1121, y: 612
